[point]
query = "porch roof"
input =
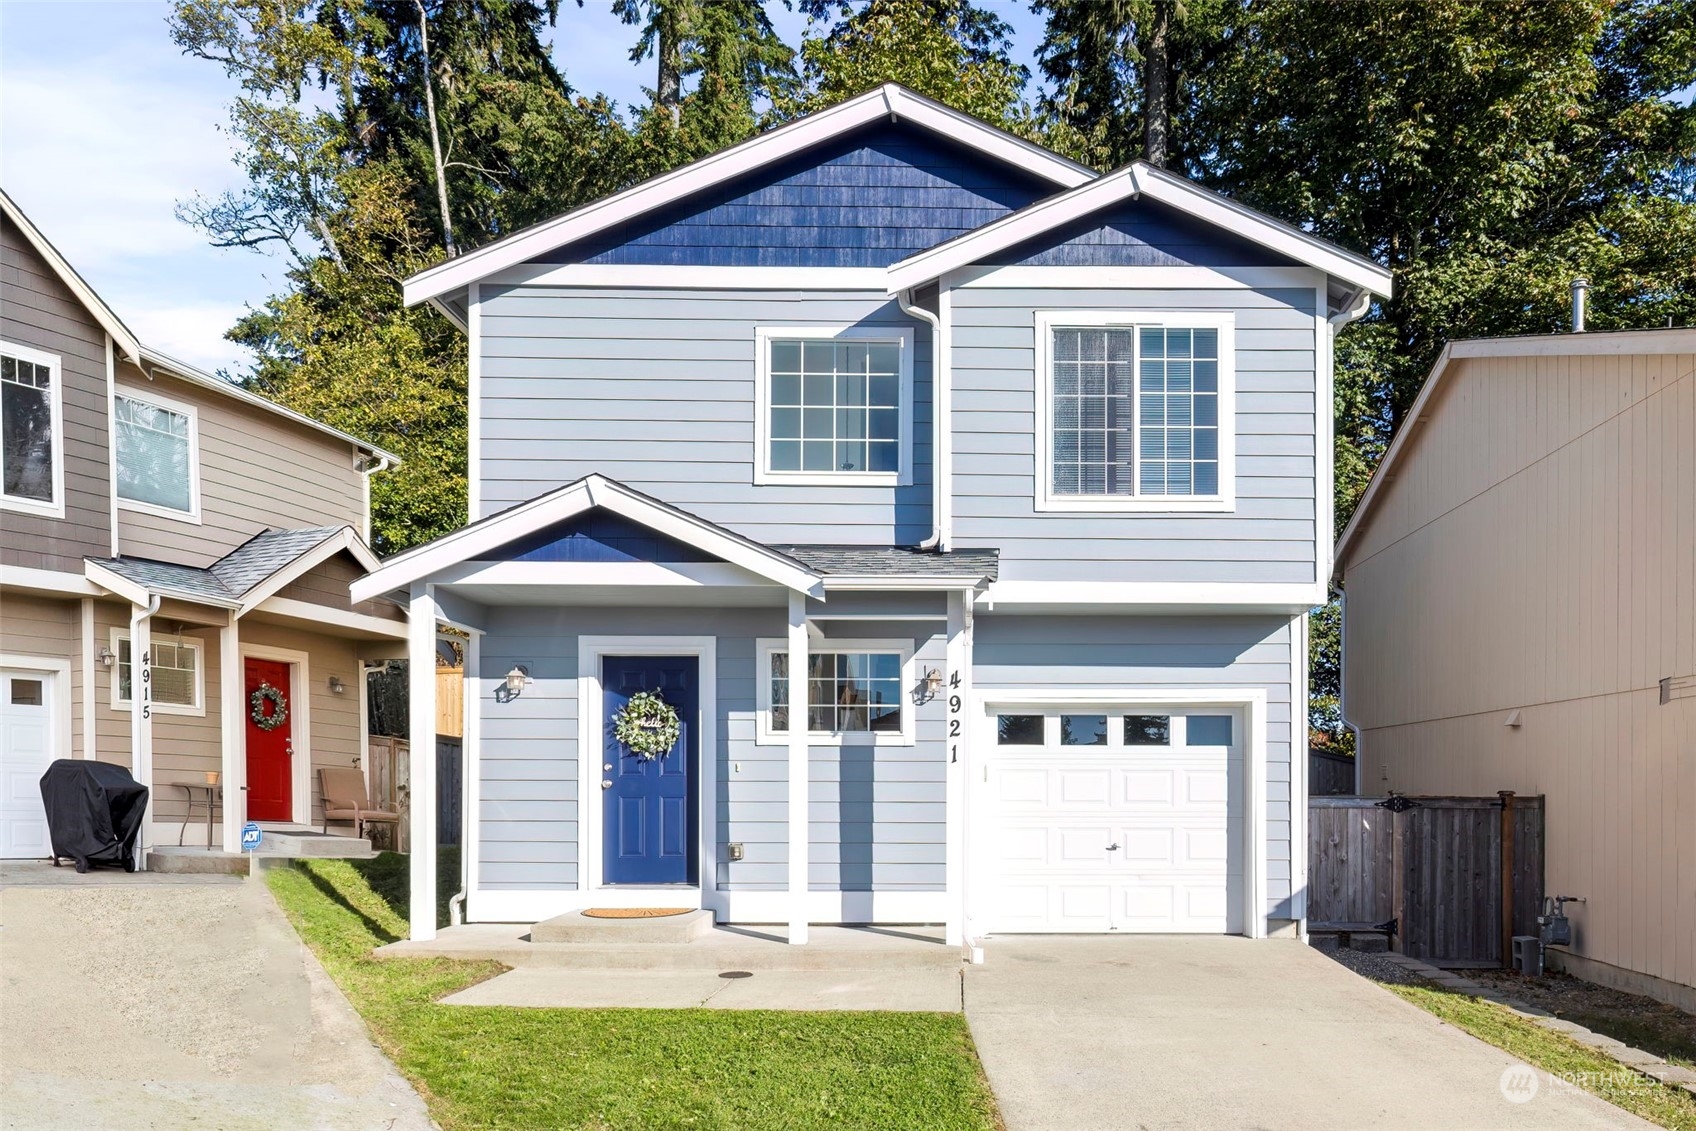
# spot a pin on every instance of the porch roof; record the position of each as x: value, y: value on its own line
x: 239, y: 580
x: 844, y: 566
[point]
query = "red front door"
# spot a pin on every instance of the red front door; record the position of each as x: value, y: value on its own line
x: 270, y: 753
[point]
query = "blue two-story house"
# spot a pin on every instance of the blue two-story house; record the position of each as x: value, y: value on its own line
x: 1016, y: 476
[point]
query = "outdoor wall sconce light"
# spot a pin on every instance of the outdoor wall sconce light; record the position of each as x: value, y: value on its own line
x: 932, y: 683
x: 337, y: 687
x: 106, y: 658
x: 516, y: 679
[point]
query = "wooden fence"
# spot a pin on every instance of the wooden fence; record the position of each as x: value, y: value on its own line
x: 1328, y: 774
x: 1433, y: 866
x: 387, y: 776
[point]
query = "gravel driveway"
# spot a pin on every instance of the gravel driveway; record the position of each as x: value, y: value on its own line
x: 169, y: 1005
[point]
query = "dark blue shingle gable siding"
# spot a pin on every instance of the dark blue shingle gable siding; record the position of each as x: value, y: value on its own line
x: 597, y: 536
x: 1138, y: 233
x: 866, y: 199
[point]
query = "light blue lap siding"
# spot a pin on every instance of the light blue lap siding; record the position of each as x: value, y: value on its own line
x: 1067, y: 654
x: 876, y: 815
x: 656, y: 389
x: 1269, y: 538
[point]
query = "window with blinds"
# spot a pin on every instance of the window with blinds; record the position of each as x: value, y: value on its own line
x: 1134, y: 411
x: 155, y: 455
x: 176, y: 674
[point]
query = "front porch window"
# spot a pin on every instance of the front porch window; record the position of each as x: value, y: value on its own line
x: 177, y: 676
x: 851, y: 692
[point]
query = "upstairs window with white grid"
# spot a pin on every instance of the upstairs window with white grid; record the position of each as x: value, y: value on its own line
x: 835, y: 406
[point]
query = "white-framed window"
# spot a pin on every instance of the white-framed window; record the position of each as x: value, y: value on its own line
x: 858, y: 691
x: 1115, y: 728
x: 833, y: 405
x: 1135, y: 410
x: 178, y: 674
x: 32, y: 432
x: 156, y: 443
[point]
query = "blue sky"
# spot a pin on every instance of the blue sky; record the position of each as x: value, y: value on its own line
x: 104, y: 126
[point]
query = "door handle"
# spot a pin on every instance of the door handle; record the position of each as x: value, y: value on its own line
x: 1113, y: 848
x: 605, y: 784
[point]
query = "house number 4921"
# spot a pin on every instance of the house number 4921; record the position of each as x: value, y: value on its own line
x: 953, y: 716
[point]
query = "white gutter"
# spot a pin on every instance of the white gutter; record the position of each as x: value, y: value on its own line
x: 379, y: 461
x: 941, y: 524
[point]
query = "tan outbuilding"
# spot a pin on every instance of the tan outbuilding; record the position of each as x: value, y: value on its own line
x: 1520, y: 613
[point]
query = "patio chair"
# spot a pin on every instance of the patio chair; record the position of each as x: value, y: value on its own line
x: 345, y: 799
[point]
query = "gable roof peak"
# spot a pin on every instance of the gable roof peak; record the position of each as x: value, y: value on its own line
x: 886, y: 101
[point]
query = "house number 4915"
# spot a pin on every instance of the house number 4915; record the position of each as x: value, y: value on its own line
x: 953, y: 716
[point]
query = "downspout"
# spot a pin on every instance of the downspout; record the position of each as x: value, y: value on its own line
x: 141, y: 718
x: 1356, y: 309
x: 367, y: 468
x: 940, y: 404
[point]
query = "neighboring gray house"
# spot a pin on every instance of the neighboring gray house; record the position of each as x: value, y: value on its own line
x: 1018, y: 474
x: 151, y: 511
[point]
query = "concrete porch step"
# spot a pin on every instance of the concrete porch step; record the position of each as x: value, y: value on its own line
x: 300, y: 840
x: 576, y: 928
x: 179, y: 861
x: 718, y: 949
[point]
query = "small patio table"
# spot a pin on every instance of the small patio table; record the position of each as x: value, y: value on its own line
x: 199, y: 794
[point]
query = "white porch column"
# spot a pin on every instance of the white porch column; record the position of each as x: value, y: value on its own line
x: 421, y: 711
x: 141, y: 715
x: 232, y: 707
x: 958, y: 687
x: 798, y: 823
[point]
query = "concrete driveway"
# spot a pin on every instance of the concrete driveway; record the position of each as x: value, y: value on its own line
x: 146, y: 1002
x: 1090, y: 1034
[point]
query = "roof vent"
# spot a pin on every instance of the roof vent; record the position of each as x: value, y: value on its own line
x: 1580, y: 289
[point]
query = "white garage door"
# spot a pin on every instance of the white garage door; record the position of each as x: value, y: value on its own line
x: 1122, y: 821
x: 26, y: 748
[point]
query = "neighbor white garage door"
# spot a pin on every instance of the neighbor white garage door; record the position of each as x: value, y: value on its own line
x: 26, y: 749
x: 1116, y: 821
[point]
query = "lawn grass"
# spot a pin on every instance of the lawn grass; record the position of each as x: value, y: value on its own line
x: 1558, y: 1055
x: 605, y: 1069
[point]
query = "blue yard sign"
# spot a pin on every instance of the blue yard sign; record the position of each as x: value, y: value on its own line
x: 251, y: 835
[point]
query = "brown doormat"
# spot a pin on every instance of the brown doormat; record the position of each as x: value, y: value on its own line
x: 635, y: 912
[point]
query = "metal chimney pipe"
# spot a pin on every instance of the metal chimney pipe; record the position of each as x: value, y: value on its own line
x: 1580, y: 289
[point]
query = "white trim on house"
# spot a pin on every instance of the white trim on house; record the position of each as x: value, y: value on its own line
x: 54, y: 364
x: 592, y: 491
x: 180, y: 408
x: 592, y: 889
x: 474, y: 402
x: 300, y: 722
x: 183, y: 371
x: 120, y: 635
x: 327, y: 615
x: 1298, y: 772
x: 764, y: 336
x: 1210, y: 595
x: 60, y: 266
x: 1046, y: 322
x: 1621, y: 343
x: 1134, y: 278
x: 1135, y: 180
x: 690, y: 277
x: 48, y: 581
x: 887, y: 101
x: 1251, y: 701
x: 766, y: 647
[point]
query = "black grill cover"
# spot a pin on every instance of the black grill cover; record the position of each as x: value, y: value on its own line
x: 94, y: 812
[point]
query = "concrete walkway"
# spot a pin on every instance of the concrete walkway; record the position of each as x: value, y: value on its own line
x: 140, y: 1002
x: 1091, y: 1034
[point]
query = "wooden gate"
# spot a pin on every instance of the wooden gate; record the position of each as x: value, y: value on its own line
x: 1432, y: 866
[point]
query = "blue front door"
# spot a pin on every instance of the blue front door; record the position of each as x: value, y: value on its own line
x: 648, y: 805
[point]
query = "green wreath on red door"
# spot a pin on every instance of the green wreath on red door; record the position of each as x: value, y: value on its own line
x: 265, y: 695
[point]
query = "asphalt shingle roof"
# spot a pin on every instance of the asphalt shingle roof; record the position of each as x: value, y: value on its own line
x: 231, y: 575
x: 894, y: 561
